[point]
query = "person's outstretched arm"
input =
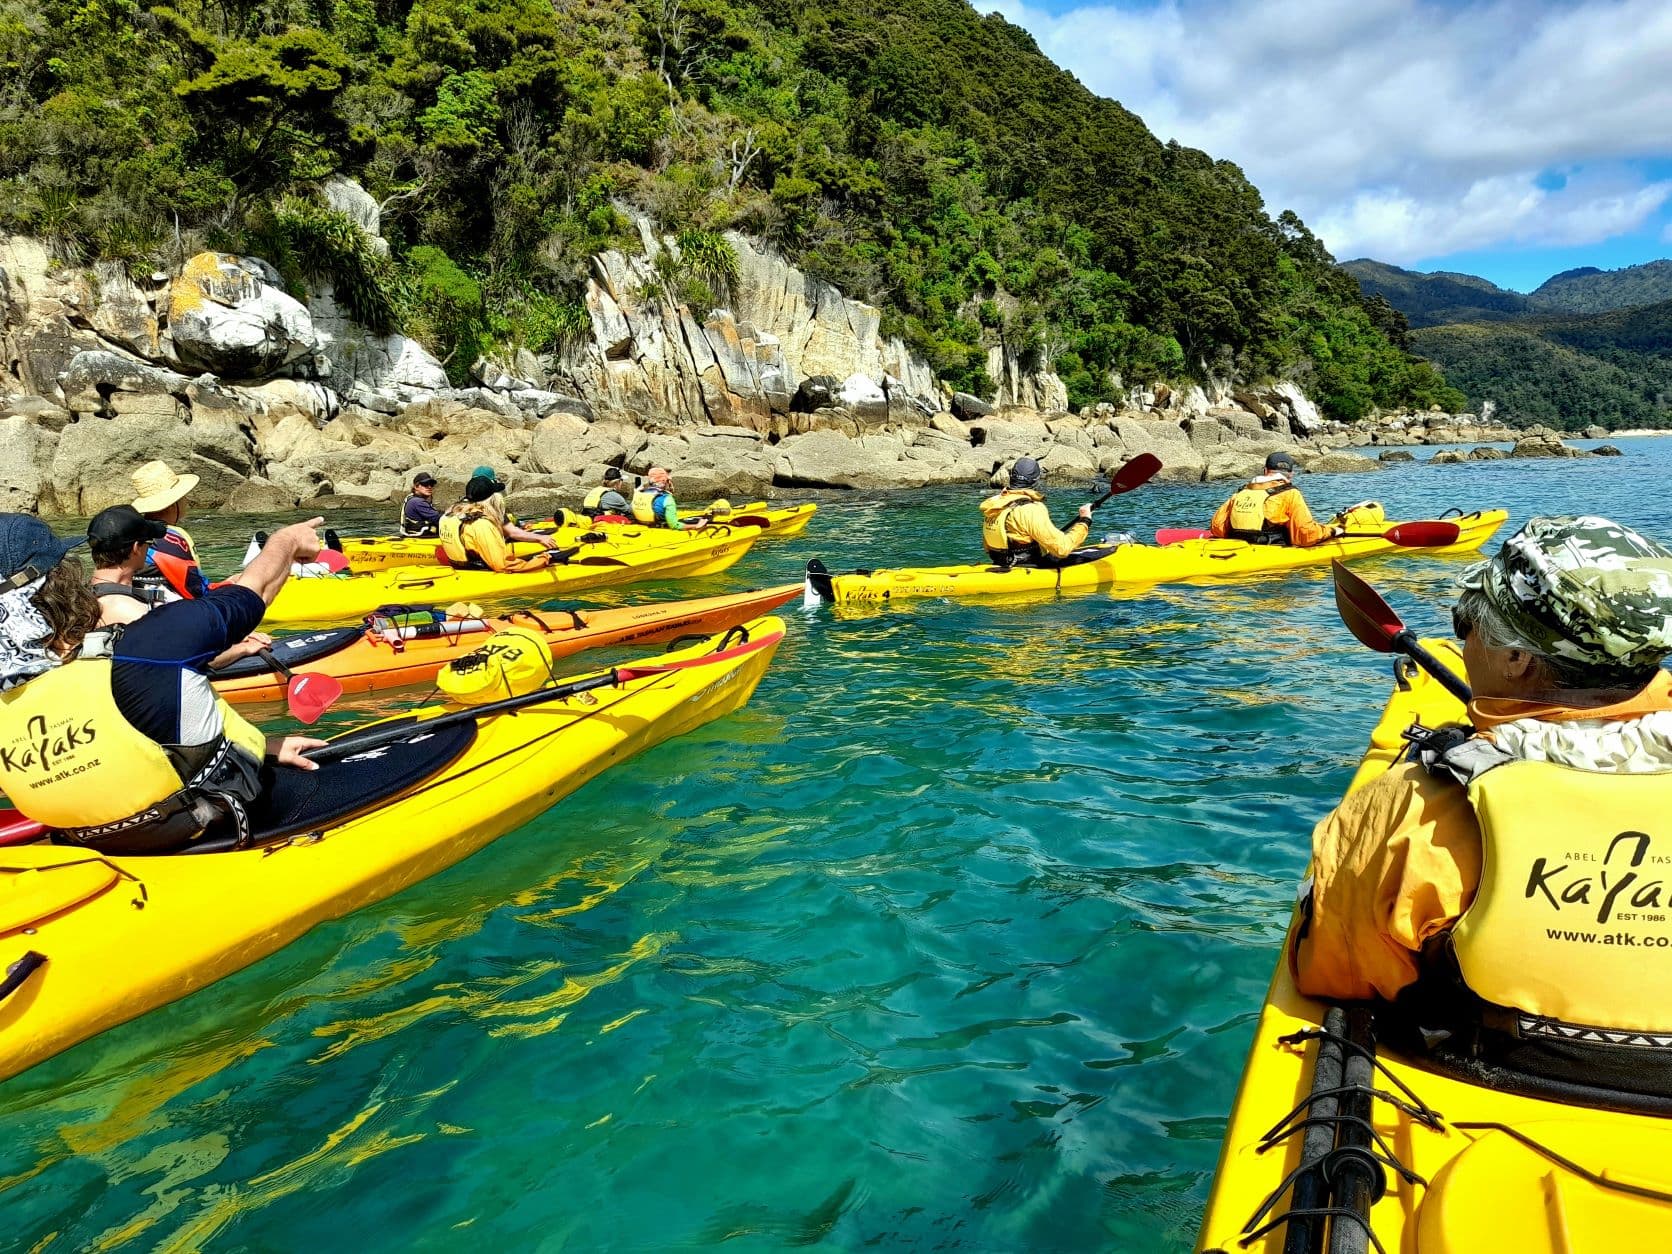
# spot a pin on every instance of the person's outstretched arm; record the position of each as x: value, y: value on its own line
x: 264, y: 576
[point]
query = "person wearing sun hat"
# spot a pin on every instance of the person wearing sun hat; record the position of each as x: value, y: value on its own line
x: 1269, y: 509
x: 1508, y: 885
x: 171, y: 571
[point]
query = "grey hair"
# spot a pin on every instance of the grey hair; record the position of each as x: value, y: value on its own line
x: 1564, y: 673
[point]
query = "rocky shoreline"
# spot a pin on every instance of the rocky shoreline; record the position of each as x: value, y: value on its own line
x: 279, y: 403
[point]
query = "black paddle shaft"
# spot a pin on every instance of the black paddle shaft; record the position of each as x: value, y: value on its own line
x: 1408, y: 644
x: 371, y: 738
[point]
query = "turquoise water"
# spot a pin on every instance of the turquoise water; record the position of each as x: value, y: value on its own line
x: 953, y: 939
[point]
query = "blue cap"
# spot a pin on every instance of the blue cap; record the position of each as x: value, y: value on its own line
x: 27, y: 543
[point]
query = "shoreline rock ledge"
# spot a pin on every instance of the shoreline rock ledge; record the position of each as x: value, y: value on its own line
x: 278, y: 402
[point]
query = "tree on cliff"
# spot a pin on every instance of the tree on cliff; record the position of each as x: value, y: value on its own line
x: 913, y: 152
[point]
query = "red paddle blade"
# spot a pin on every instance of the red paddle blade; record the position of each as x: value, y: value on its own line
x: 1370, y: 619
x: 1137, y: 472
x: 332, y: 560
x: 1423, y: 535
x: 15, y: 829
x: 1176, y: 535
x: 310, y: 694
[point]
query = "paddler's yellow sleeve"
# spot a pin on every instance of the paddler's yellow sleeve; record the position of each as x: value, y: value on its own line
x: 1393, y: 865
x: 1032, y: 521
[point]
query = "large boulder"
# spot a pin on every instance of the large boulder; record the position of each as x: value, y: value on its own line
x: 350, y: 199
x: 94, y: 457
x: 824, y: 459
x: 1541, y: 444
x: 1304, y: 417
x: 228, y: 315
x: 969, y: 407
x: 384, y: 370
x: 864, y: 398
x: 26, y: 451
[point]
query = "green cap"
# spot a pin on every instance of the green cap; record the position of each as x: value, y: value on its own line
x: 1585, y: 589
x: 483, y: 472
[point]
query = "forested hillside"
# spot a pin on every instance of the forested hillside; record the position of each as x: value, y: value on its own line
x: 918, y: 155
x: 1431, y: 300
x: 1592, y: 291
x: 1540, y: 372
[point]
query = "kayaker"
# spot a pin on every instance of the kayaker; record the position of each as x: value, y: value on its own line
x: 654, y: 506
x: 475, y: 532
x: 608, y: 502
x: 116, y: 739
x: 1016, y: 526
x: 171, y: 568
x: 1269, y: 509
x: 419, y: 516
x: 1483, y: 895
x: 118, y: 539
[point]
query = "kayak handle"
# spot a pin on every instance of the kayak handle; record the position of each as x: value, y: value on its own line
x: 20, y: 971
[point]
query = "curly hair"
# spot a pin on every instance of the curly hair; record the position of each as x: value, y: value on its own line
x: 67, y: 603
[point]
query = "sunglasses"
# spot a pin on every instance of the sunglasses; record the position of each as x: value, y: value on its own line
x: 1461, y: 623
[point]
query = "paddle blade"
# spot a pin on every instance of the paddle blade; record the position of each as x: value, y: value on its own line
x: 310, y: 694
x: 15, y: 829
x: 1423, y: 535
x: 1137, y: 472
x: 1370, y: 619
x: 1176, y: 535
x: 332, y: 560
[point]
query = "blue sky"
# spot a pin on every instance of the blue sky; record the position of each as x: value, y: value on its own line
x: 1510, y: 139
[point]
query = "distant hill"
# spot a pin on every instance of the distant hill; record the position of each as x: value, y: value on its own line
x: 1588, y: 290
x: 1614, y: 369
x: 1589, y: 346
x: 1430, y: 300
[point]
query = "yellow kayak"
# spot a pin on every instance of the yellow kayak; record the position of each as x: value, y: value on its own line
x: 1128, y: 565
x: 92, y: 941
x: 387, y: 552
x: 1487, y: 1169
x: 343, y: 598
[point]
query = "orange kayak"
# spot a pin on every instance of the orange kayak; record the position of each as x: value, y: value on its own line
x: 370, y: 659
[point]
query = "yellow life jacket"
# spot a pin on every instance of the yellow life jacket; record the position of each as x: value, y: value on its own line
x: 1248, y: 519
x: 1572, y: 920
x: 71, y: 761
x: 995, y: 518
x: 461, y: 540
x: 647, y: 505
x: 509, y: 663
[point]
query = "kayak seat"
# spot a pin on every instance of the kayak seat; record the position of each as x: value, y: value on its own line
x: 299, y: 801
x: 293, y: 651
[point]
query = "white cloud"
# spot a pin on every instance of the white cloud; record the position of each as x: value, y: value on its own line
x: 1401, y: 129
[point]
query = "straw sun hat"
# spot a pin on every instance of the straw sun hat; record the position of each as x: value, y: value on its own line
x: 156, y: 487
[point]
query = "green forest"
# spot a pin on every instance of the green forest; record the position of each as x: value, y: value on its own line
x: 914, y: 153
x: 1607, y: 361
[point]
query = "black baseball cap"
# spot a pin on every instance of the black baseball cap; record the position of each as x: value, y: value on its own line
x: 123, y: 524
x: 423, y: 479
x: 1281, y: 461
x: 481, y: 487
x: 28, y: 548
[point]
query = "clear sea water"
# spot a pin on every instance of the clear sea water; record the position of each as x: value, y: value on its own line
x: 953, y: 939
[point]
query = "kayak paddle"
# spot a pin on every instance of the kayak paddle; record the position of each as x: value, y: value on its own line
x: 1134, y: 474
x: 1375, y: 625
x: 309, y: 694
x: 1409, y: 535
x: 374, y: 737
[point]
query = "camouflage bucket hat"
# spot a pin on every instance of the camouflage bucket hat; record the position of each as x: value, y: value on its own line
x: 1584, y: 589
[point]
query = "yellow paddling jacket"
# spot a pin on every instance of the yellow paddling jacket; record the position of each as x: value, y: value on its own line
x: 70, y: 760
x: 1015, y: 523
